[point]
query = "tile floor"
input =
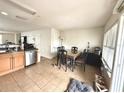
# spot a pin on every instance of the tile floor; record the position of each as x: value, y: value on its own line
x: 44, y: 77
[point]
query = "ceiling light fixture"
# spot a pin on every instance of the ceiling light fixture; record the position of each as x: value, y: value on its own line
x: 4, y: 13
x: 23, y: 7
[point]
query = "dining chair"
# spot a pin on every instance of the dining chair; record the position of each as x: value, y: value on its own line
x: 64, y: 59
x: 59, y: 49
x: 81, y: 59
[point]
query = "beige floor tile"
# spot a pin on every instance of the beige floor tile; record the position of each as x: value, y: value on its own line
x: 59, y: 89
x: 49, y: 87
x: 41, y: 84
x: 44, y: 77
x: 7, y: 83
x: 25, y: 83
x: 30, y: 88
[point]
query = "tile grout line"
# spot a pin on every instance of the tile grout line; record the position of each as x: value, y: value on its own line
x: 33, y: 81
x: 50, y: 77
x: 16, y: 83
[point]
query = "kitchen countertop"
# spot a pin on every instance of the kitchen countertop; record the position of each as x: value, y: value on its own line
x: 11, y: 52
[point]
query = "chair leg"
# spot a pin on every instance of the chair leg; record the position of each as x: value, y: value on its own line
x: 84, y: 67
x: 57, y: 60
x: 73, y: 65
x: 59, y: 63
x: 81, y: 65
x: 66, y: 67
x: 59, y: 66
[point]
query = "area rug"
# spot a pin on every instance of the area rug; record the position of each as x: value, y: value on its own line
x: 78, y: 86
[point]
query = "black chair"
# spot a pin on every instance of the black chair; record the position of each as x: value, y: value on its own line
x: 94, y: 60
x: 64, y: 59
x: 62, y: 47
x: 59, y: 49
x: 74, y: 49
x: 81, y: 59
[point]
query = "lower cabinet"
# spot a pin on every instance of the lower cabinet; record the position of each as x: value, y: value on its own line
x: 5, y: 63
x: 11, y: 62
x: 18, y: 61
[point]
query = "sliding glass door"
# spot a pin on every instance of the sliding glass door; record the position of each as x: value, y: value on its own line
x: 117, y: 84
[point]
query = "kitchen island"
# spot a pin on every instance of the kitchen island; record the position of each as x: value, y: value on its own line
x: 11, y: 61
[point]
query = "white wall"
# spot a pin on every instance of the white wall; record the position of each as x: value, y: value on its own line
x: 113, y: 19
x: 54, y: 41
x: 48, y: 39
x: 45, y: 41
x: 81, y: 37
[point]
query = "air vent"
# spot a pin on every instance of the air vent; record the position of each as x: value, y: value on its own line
x: 22, y: 18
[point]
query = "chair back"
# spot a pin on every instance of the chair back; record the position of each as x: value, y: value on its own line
x: 60, y: 48
x: 62, y: 56
x: 74, y: 50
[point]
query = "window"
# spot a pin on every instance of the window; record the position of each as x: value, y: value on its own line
x: 118, y: 68
x: 109, y: 47
x: 0, y: 39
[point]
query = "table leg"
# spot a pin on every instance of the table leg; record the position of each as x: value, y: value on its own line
x: 57, y: 60
x: 73, y: 65
x: 59, y: 63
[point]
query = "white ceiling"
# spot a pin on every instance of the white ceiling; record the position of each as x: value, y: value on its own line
x: 60, y: 14
x: 9, y: 24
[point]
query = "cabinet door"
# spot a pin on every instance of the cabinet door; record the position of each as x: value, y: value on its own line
x: 5, y: 63
x: 18, y: 60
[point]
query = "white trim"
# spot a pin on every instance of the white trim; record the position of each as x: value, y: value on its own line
x: 118, y: 69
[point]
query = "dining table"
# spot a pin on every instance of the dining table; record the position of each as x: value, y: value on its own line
x: 73, y: 56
